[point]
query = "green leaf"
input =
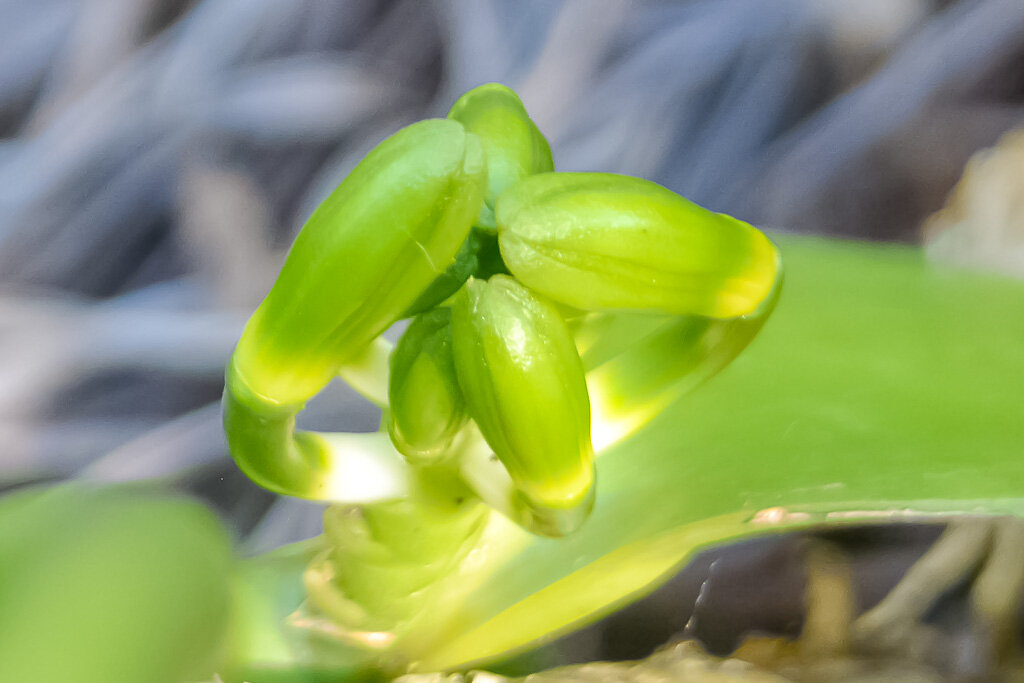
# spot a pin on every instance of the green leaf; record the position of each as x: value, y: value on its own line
x: 600, y: 241
x: 883, y: 388
x: 109, y: 586
x: 267, y: 645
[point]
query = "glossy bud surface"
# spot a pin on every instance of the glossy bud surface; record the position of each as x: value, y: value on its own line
x: 365, y: 255
x: 600, y: 241
x: 514, y: 147
x: 427, y: 408
x: 524, y: 386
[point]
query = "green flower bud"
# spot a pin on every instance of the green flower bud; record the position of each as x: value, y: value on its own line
x: 365, y: 255
x: 427, y: 408
x: 515, y: 147
x: 524, y: 386
x: 602, y: 241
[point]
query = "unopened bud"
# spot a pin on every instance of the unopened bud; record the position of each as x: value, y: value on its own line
x: 524, y: 386
x: 515, y: 148
x: 365, y: 255
x: 600, y: 241
x: 426, y: 405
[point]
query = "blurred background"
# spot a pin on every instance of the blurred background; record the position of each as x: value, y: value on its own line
x: 158, y: 156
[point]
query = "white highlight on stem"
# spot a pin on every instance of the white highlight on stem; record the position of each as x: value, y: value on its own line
x: 363, y: 468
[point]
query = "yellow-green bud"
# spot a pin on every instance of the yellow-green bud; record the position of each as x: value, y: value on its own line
x: 601, y: 241
x: 515, y: 147
x: 524, y: 386
x: 426, y: 404
x: 365, y: 255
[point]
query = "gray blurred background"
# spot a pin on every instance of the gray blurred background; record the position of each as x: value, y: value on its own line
x: 157, y: 157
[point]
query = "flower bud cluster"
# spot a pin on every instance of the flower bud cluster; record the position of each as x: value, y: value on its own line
x: 463, y: 225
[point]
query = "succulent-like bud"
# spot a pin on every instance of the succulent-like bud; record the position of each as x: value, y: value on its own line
x: 365, y: 255
x: 524, y: 386
x: 514, y: 146
x: 427, y: 408
x: 601, y: 241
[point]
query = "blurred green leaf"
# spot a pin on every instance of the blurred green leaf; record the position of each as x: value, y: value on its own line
x: 110, y: 585
x: 267, y: 646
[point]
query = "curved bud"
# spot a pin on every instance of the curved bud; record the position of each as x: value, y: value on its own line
x: 524, y: 386
x: 427, y: 408
x: 515, y: 147
x: 364, y: 256
x: 601, y: 241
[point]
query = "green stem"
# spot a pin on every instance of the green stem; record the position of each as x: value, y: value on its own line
x: 383, y: 572
x: 334, y: 467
